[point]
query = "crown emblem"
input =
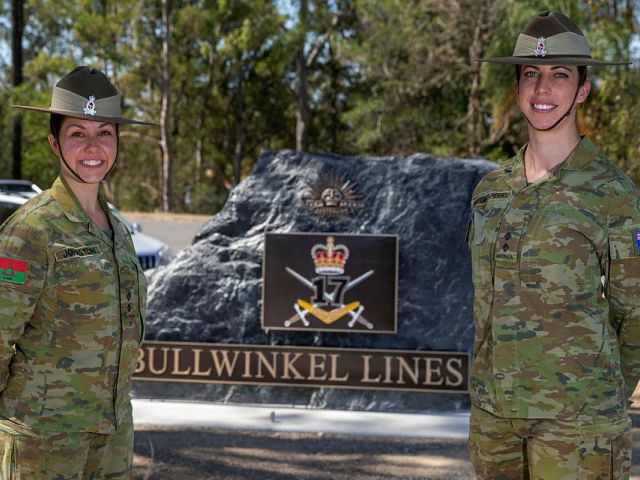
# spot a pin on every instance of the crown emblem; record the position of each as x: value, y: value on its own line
x: 541, y: 48
x: 90, y: 107
x: 330, y: 258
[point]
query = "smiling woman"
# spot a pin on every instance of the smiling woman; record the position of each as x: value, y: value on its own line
x: 555, y: 246
x: 547, y: 94
x: 72, y: 303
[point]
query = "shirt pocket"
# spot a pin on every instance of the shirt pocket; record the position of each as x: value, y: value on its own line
x: 487, y: 214
x: 86, y: 310
x: 559, y: 258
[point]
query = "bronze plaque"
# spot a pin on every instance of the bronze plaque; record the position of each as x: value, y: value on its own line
x: 402, y: 370
x: 330, y: 282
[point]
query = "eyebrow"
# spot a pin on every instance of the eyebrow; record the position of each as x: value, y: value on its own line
x: 554, y: 67
x: 83, y: 128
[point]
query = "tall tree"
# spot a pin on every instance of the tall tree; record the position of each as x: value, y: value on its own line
x: 17, y: 30
x: 165, y: 109
x: 302, y: 113
x: 317, y: 21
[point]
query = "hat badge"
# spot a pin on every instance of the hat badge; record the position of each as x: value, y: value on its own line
x: 541, y: 47
x: 90, y: 107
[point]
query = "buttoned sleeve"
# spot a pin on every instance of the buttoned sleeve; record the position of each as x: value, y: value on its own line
x: 23, y: 271
x: 624, y: 286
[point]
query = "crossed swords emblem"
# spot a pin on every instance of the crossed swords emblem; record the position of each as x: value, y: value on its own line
x: 354, y: 309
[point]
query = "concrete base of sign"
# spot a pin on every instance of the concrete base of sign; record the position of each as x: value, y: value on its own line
x: 275, y: 418
x: 211, y: 292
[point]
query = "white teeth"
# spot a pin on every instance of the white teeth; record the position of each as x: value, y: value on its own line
x: 91, y: 163
x: 543, y: 106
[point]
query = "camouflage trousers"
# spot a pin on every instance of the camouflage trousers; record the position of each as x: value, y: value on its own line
x: 541, y: 449
x: 27, y: 454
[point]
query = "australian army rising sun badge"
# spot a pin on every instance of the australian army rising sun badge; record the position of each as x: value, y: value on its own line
x: 333, y: 195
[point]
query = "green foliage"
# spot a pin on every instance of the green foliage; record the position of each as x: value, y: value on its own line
x: 390, y: 77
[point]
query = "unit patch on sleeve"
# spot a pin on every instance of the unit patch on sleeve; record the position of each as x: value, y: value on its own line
x: 12, y: 271
x: 636, y: 242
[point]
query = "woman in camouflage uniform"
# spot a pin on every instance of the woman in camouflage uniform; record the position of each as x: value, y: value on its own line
x: 555, y: 243
x: 72, y: 302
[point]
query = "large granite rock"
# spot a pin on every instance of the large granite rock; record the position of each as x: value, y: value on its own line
x: 211, y: 292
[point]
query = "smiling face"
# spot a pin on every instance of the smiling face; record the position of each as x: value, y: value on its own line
x: 89, y: 148
x: 545, y: 93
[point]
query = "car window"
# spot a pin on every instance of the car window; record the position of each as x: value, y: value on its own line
x: 12, y: 187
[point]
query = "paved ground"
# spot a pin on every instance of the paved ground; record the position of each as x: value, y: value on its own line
x: 176, y: 230
x: 272, y: 443
x: 197, y: 454
x: 231, y: 454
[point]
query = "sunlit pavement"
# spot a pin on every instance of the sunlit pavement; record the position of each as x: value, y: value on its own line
x: 279, y: 419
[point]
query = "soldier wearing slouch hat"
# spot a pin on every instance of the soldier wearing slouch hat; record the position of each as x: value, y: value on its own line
x: 72, y: 304
x: 555, y: 244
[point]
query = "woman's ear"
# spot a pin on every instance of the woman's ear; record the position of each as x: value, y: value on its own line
x: 583, y: 91
x: 54, y: 144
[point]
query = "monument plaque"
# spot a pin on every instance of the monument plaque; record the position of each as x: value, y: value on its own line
x: 291, y: 366
x: 330, y: 282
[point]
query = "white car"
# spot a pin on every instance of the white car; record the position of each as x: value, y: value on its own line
x: 150, y: 251
x: 9, y: 204
x: 22, y: 188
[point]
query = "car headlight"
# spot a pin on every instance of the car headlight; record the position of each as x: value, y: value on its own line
x: 164, y: 255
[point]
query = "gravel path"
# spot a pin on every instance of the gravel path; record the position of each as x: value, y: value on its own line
x: 172, y: 454
x: 233, y: 455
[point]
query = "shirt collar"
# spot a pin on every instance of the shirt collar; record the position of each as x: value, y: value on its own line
x: 581, y: 156
x: 75, y: 213
x: 68, y: 202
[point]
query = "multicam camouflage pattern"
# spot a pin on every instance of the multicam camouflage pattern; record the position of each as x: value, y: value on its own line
x: 543, y: 449
x: 75, y: 322
x: 556, y: 271
x: 27, y: 454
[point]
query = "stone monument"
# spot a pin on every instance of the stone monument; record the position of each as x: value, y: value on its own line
x: 211, y: 292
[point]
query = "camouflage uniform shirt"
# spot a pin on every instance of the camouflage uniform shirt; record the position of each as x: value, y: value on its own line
x: 72, y: 303
x: 556, y: 271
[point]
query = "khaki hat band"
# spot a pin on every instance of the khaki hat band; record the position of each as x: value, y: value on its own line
x: 560, y: 44
x: 67, y: 101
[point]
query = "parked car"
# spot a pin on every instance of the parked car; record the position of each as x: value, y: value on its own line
x: 22, y: 188
x: 9, y: 204
x: 150, y: 251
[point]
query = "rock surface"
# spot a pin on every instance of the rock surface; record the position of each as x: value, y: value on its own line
x: 211, y: 292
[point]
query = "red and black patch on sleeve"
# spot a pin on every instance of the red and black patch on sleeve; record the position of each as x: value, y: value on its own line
x: 12, y: 271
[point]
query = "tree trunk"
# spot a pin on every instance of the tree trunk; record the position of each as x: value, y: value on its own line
x: 165, y: 83
x: 240, y: 129
x: 17, y: 23
x: 302, y: 115
x: 474, y: 116
x: 198, y: 165
x: 335, y: 87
